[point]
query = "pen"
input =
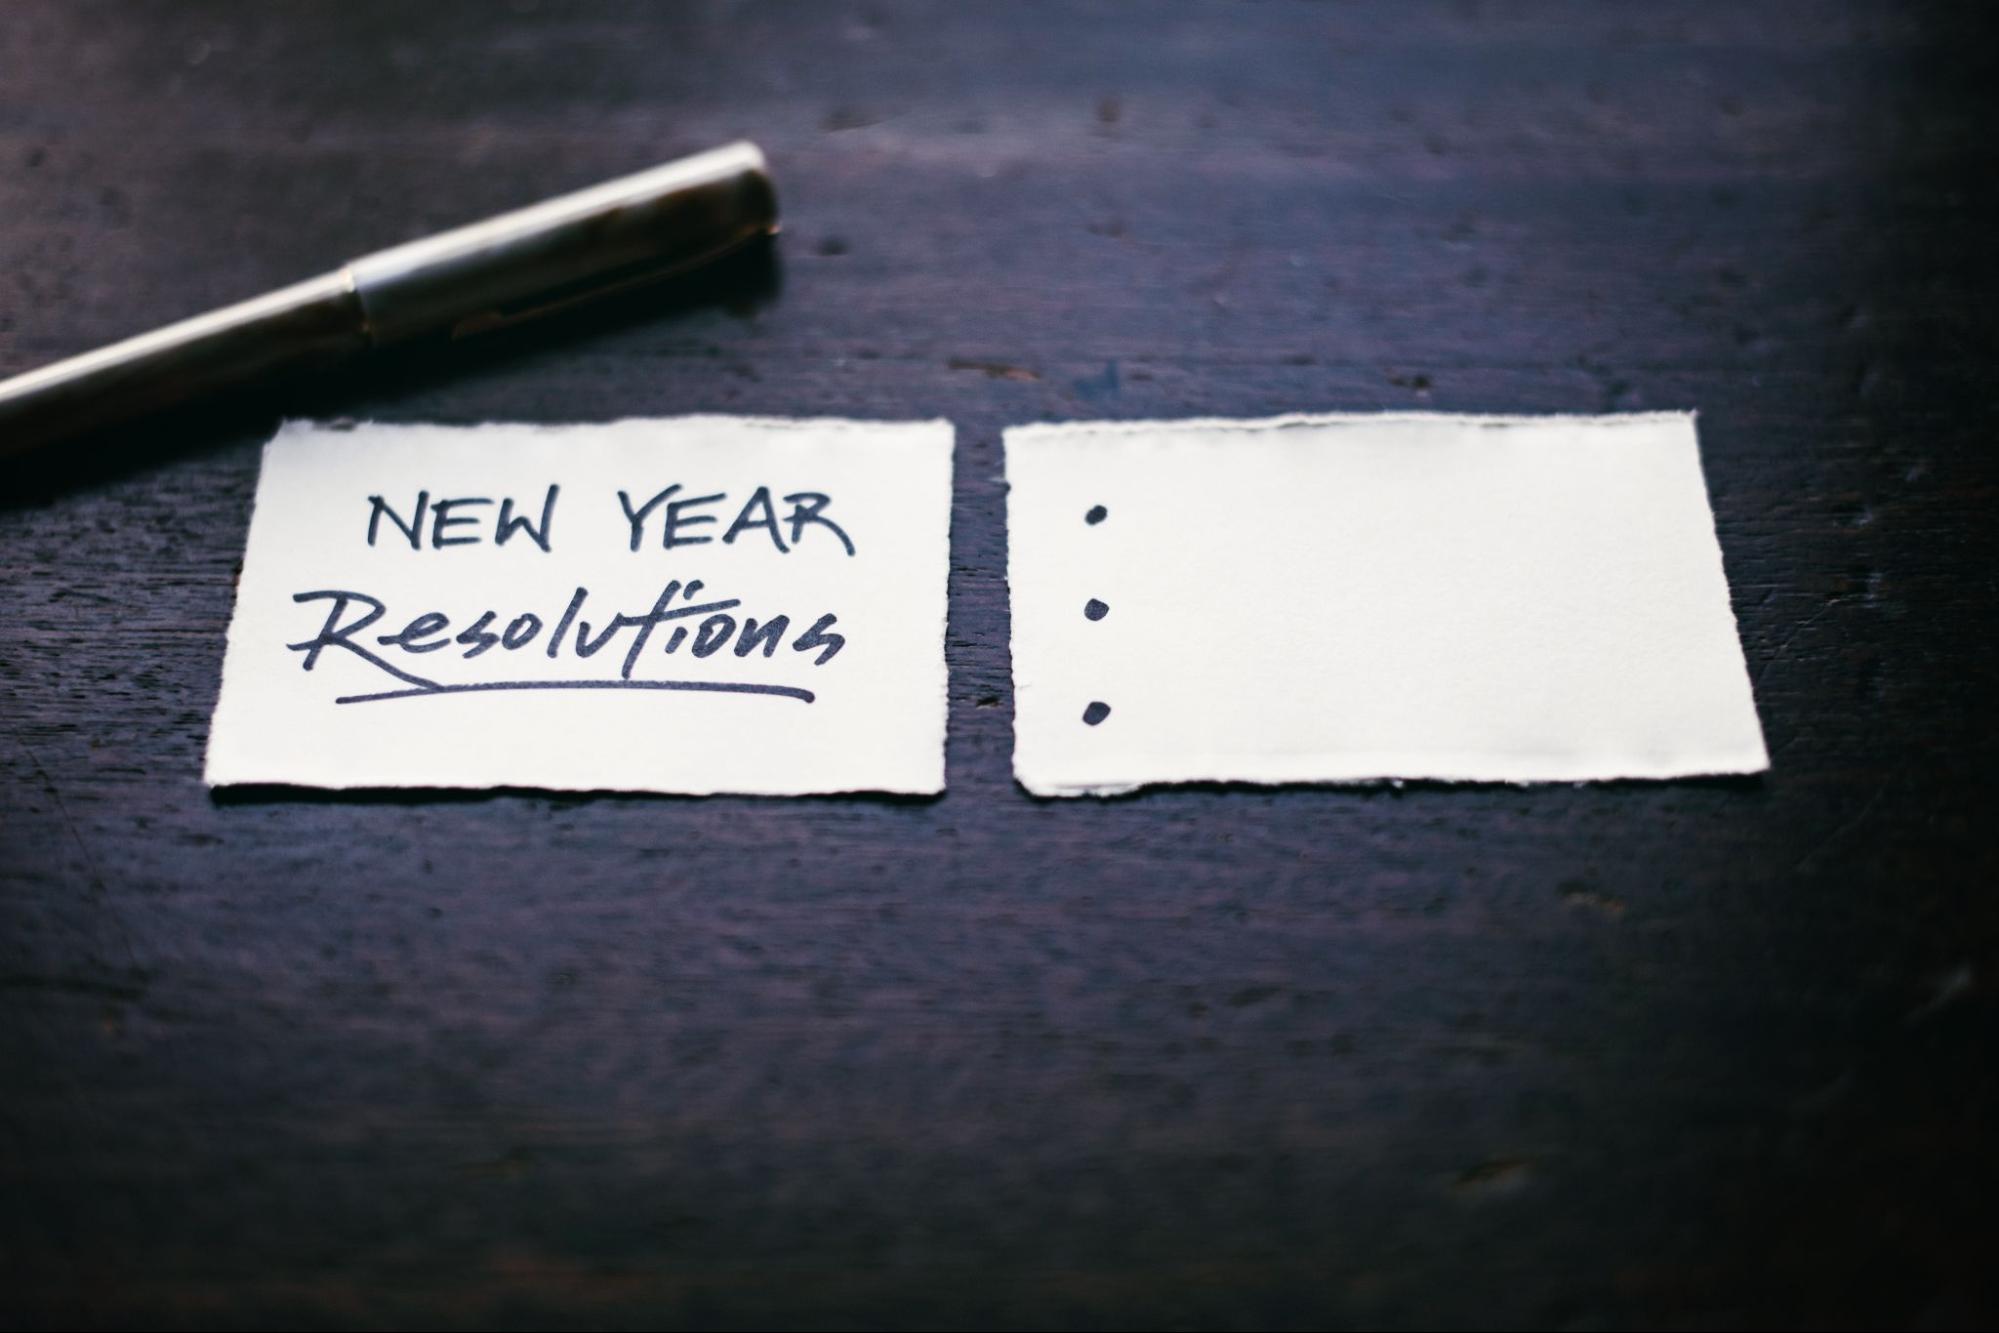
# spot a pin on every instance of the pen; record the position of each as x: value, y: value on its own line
x: 483, y: 276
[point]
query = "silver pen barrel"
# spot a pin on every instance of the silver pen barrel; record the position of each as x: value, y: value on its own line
x: 486, y: 275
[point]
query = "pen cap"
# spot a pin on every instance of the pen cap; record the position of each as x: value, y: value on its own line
x: 513, y: 266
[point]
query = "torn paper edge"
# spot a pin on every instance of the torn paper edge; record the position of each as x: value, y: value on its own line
x: 1304, y: 776
x: 343, y: 425
x: 1295, y: 419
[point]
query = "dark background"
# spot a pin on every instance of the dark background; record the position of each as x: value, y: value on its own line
x: 1695, y: 1053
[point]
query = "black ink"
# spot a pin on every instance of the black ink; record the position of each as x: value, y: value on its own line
x: 767, y: 635
x: 329, y: 637
x: 637, y: 518
x: 803, y: 513
x: 521, y: 630
x: 647, y: 624
x: 334, y: 635
x: 562, y: 625
x: 509, y: 525
x: 1096, y: 713
x: 441, y: 519
x: 589, y: 647
x: 492, y: 686
x: 1095, y: 610
x: 412, y: 530
x: 817, y: 637
x: 478, y: 636
x: 757, y: 512
x: 430, y: 632
x: 712, y: 634
x: 430, y: 622
x: 768, y: 522
x: 1096, y: 515
x: 674, y: 521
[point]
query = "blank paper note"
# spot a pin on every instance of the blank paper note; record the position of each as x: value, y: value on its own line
x: 1358, y: 598
x: 701, y: 604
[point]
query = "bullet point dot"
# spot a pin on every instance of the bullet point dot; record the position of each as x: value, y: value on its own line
x: 1095, y: 610
x: 1096, y: 713
x: 1096, y: 515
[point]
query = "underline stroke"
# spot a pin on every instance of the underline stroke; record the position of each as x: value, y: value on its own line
x: 493, y: 686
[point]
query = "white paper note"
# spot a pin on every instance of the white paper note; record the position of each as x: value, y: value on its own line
x: 1352, y: 598
x: 703, y: 604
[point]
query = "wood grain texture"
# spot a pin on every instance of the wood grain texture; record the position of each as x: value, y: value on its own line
x: 1691, y: 1053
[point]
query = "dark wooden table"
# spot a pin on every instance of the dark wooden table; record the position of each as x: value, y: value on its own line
x: 1696, y: 1053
